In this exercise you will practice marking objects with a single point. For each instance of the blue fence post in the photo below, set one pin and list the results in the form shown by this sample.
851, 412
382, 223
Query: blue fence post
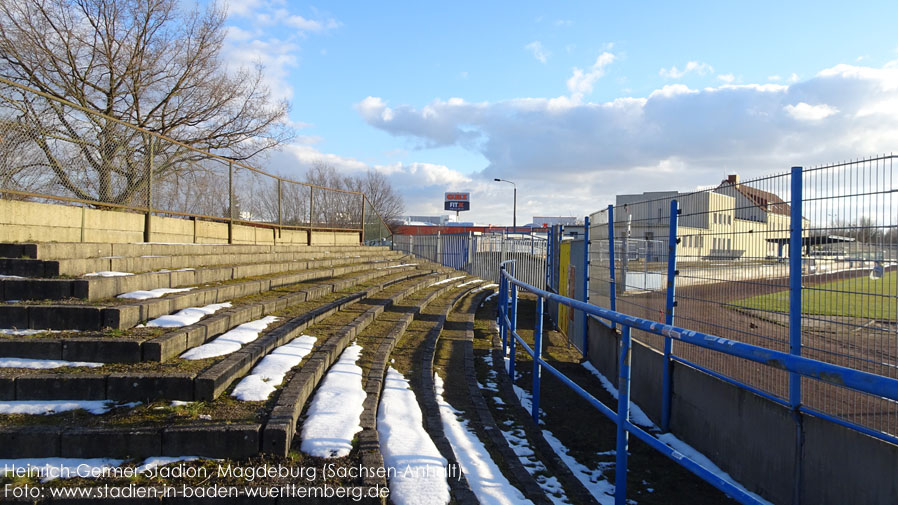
585, 285
795, 248
623, 415
795, 285
537, 354
672, 241
613, 295
511, 330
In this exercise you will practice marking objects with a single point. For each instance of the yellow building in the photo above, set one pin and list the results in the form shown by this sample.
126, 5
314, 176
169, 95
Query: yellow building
731, 221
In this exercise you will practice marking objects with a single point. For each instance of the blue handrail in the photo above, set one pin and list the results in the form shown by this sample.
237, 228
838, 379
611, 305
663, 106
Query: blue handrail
825, 372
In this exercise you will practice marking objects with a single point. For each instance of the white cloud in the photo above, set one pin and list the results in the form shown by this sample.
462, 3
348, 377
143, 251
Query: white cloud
727, 78
564, 153
538, 52
774, 78
277, 56
692, 66
806, 112
310, 25
269, 35
582, 82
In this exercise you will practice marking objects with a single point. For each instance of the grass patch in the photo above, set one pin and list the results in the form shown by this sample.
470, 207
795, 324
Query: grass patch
860, 297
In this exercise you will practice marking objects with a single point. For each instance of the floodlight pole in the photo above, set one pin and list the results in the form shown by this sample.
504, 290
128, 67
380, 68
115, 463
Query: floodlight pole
514, 215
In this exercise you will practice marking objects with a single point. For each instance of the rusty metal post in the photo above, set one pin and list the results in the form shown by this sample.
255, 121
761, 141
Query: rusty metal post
311, 210
230, 202
362, 233
147, 224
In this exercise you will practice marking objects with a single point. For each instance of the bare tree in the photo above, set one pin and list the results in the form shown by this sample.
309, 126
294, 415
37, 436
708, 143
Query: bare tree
385, 200
144, 62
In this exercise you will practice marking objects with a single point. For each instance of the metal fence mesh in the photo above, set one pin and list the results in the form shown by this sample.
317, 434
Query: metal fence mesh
850, 283
733, 275
480, 255
51, 150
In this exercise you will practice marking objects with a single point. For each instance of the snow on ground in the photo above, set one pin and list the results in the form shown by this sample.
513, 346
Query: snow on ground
153, 293
484, 477
4, 276
188, 316
333, 416
638, 417
593, 479
490, 297
22, 333
446, 281
60, 468
108, 273
231, 340
420, 471
49, 407
155, 462
398, 266
270, 372
475, 281
167, 271
43, 364
518, 442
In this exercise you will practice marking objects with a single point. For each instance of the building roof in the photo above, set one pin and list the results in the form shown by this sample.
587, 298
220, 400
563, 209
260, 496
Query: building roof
764, 200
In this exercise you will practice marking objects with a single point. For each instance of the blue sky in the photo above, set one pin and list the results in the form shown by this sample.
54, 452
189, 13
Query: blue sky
573, 101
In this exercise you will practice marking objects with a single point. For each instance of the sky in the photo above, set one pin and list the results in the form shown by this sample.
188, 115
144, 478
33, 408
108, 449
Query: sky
574, 102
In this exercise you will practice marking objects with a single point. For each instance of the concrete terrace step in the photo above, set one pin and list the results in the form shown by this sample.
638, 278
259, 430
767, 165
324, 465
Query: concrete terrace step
127, 315
105, 349
82, 250
151, 382
279, 431
99, 288
44, 268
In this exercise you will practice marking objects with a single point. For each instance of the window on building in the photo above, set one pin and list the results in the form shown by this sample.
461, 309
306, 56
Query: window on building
729, 244
715, 218
729, 220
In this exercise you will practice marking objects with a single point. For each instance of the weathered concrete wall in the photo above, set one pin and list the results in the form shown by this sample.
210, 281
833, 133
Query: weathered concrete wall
37, 222
335, 237
168, 229
41, 222
845, 466
752, 438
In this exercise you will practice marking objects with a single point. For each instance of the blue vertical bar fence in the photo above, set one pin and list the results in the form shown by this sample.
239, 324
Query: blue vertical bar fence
672, 241
623, 417
612, 296
537, 356
586, 285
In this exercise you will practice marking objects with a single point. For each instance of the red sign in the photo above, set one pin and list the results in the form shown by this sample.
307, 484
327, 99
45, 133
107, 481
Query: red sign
458, 201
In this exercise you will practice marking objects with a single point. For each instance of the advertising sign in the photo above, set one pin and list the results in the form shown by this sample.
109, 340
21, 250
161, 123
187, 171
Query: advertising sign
458, 201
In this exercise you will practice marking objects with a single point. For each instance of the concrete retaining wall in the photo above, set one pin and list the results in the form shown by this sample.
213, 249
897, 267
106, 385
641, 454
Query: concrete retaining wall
41, 222
754, 439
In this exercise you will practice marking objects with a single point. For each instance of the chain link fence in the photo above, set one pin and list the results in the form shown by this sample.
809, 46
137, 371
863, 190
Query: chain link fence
56, 151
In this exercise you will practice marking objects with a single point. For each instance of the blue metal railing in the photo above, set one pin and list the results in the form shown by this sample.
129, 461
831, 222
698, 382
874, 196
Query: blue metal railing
798, 365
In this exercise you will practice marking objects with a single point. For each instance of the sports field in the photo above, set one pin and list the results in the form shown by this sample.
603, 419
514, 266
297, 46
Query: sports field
860, 297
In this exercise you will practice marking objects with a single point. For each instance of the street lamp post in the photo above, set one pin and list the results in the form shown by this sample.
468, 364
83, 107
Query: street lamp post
514, 215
